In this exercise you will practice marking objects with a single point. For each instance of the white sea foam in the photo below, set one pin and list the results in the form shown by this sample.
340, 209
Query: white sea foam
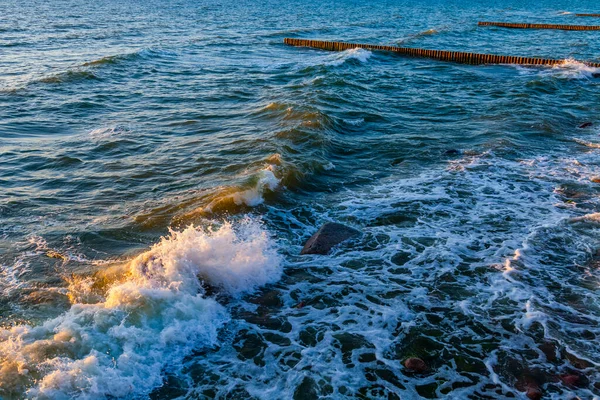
267, 181
474, 258
101, 133
358, 54
120, 346
264, 181
573, 69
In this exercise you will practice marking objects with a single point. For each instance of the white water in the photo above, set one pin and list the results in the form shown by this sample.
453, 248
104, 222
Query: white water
146, 322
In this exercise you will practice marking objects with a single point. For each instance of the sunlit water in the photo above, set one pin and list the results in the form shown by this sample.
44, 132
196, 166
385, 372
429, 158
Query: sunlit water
162, 164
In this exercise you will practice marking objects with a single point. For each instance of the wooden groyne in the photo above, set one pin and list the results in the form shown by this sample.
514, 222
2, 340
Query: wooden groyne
587, 15
452, 56
541, 26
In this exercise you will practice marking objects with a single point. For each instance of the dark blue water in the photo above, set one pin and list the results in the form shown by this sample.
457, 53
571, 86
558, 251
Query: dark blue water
162, 164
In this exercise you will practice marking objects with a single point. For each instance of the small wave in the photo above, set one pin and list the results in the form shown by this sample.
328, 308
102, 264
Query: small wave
232, 199
565, 13
568, 69
111, 59
590, 218
355, 122
588, 144
358, 54
147, 322
117, 58
572, 69
428, 32
68, 76
109, 131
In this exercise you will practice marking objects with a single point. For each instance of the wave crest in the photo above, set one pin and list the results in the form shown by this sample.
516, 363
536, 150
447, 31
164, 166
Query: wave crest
149, 319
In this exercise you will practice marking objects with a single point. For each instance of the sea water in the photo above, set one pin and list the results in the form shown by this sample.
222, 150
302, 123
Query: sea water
163, 163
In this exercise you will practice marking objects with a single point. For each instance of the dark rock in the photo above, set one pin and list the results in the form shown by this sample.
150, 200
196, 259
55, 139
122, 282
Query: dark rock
330, 235
577, 362
531, 388
306, 390
533, 392
585, 125
596, 75
549, 350
569, 380
452, 152
269, 298
574, 379
415, 364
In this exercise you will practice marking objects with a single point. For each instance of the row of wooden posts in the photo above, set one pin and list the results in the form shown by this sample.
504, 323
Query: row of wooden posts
453, 56
541, 26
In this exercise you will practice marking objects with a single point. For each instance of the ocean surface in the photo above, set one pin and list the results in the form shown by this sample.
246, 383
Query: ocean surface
162, 164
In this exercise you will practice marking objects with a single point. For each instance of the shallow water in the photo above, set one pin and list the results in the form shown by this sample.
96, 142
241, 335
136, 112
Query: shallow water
161, 166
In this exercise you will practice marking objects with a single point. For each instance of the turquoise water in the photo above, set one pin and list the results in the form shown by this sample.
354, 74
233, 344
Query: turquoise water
161, 166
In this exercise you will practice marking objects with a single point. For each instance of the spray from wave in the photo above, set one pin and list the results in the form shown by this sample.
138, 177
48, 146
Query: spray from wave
568, 69
358, 54
152, 316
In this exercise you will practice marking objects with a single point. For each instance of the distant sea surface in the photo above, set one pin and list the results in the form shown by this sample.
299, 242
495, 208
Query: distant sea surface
162, 164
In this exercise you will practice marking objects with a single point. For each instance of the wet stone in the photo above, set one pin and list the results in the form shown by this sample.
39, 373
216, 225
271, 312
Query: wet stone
248, 345
267, 322
306, 390
330, 235
390, 377
530, 386
376, 392
311, 336
269, 298
399, 219
428, 391
277, 339
367, 357
549, 350
401, 258
415, 364
349, 342
172, 387
238, 392
577, 362
574, 379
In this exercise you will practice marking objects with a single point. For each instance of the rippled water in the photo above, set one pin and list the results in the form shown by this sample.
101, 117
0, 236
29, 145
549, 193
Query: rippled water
162, 164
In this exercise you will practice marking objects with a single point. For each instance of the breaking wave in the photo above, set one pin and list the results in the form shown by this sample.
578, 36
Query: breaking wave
153, 313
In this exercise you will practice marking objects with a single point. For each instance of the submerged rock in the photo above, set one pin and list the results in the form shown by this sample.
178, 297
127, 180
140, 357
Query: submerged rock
330, 235
452, 152
574, 379
415, 364
585, 125
531, 388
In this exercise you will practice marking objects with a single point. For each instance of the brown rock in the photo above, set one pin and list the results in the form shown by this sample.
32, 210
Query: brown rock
415, 364
549, 350
534, 392
569, 379
330, 235
531, 388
